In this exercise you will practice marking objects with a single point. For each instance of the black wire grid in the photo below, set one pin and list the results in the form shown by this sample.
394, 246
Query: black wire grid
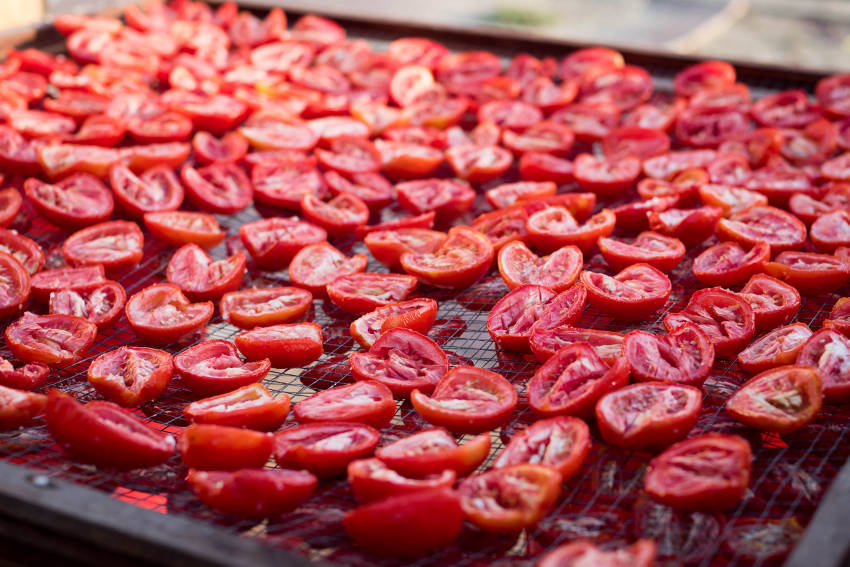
604, 500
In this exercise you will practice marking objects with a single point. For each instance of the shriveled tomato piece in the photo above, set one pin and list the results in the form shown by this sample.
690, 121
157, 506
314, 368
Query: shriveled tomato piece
467, 400
15, 285
463, 259
519, 266
632, 216
260, 307
777, 348
161, 314
372, 480
778, 228
839, 316
48, 281
782, 399
228, 149
325, 449
571, 382
608, 177
447, 198
425, 220
577, 553
287, 346
115, 245
156, 190
808, 209
252, 493
433, 451
10, 205
341, 215
251, 406
829, 352
502, 226
548, 136
183, 227
707, 472
728, 263
274, 241
54, 340
774, 302
368, 401
19, 408
511, 498
659, 251
684, 356
213, 367
220, 448
283, 184
131, 375
725, 317
648, 416
362, 292
509, 322
219, 188
562, 310
58, 160
29, 376
810, 273
787, 109
731, 199
372, 188
99, 302
415, 314
76, 201
691, 226
634, 293
831, 230
546, 342
317, 265
267, 131
555, 227
560, 442
537, 166
478, 164
200, 278
387, 246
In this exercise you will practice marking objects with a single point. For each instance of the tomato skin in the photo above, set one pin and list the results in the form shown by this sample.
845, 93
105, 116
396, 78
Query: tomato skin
141, 158
19, 408
538, 166
563, 309
691, 226
520, 266
393, 357
415, 314
261, 307
812, 274
648, 416
782, 399
287, 346
659, 251
701, 76
144, 375
478, 415
10, 204
251, 406
471, 251
786, 109
105, 434
728, 264
448, 199
229, 149
46, 282
830, 231
274, 241
639, 554
252, 493
324, 449
634, 293
478, 164
220, 448
26, 377
183, 227
137, 195
511, 319
650, 357
346, 403
546, 342
827, 350
608, 177
731, 199
533, 490
372, 480
316, 266
213, 367
838, 317
779, 347
80, 249
200, 278
75, 202
219, 188
632, 217
713, 475
67, 338
147, 308
407, 525
431, 451
751, 225
597, 380
774, 302
561, 442
710, 309
387, 246
15, 285
339, 216
364, 291
372, 188
555, 227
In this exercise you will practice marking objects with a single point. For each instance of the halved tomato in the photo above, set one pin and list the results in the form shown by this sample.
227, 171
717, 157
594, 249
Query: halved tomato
183, 227
387, 246
251, 406
537, 166
317, 265
731, 199
691, 226
372, 188
131, 375
339, 216
25, 250
509, 322
831, 230
155, 190
15, 285
777, 348
161, 314
252, 493
684, 356
546, 342
829, 352
415, 314
839, 316
324, 449
558, 271
213, 367
810, 273
559, 442
19, 408
219, 188
433, 451
555, 227
115, 245
372, 480
287, 346
48, 281
284, 183
220, 448
99, 302
10, 204
463, 259
368, 401
228, 149
608, 177
200, 278
361, 292
781, 230
729, 264
479, 164
725, 317
502, 225
273, 242
562, 310
659, 251
77, 201
774, 302
782, 399
261, 307
54, 340
634, 293
447, 198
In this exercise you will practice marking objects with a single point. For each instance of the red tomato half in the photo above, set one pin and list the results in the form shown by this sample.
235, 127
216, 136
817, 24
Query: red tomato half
650, 416
230, 148
448, 199
560, 442
777, 348
284, 183
731, 199
131, 376
546, 342
659, 251
403, 360
578, 553
839, 316
415, 314
701, 76
183, 227
200, 278
19, 408
691, 226
48, 281
371, 480
77, 201
115, 245
782, 399
363, 292
10, 205
479, 164
287, 346
156, 190
725, 317
811, 274
608, 177
708, 472
104, 434
555, 227
220, 448
54, 340
251, 406
780, 229
339, 216
433, 451
562, 310
274, 241
786, 109
829, 352
214, 367
14, 285
684, 356
634, 293
461, 261
773, 302
563, 387
317, 265
252, 493
161, 314
831, 230
261, 307
367, 401
387, 246
324, 449
502, 226
729, 264
509, 322
219, 188
467, 400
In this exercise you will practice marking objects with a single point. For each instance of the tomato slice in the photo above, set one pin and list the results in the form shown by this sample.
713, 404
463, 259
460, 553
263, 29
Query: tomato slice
287, 346
219, 448
786, 109
214, 367
731, 199
251, 406
509, 322
777, 348
810, 273
219, 188
372, 188
479, 164
116, 245
105, 434
200, 278
415, 314
183, 227
467, 400
774, 302
141, 158
156, 190
273, 242
725, 317
632, 217
829, 352
608, 177
705, 75
659, 251
161, 314
19, 408
831, 230
131, 376
666, 166
17, 154
419, 221
261, 307
387, 246
560, 442
99, 302
574, 554
548, 136
317, 265
519, 266
76, 201
407, 525
461, 261
372, 480
341, 215
691, 226
778, 228
230, 148
10, 205
648, 416
433, 451
571, 382
502, 226
728, 263
26, 377
266, 131
538, 166
634, 293
363, 292
546, 342
59, 160
555, 227
562, 310
324, 449
511, 498
15, 285
839, 316
782, 399
252, 493
49, 281
448, 199
54, 340
403, 360
684, 356
368, 401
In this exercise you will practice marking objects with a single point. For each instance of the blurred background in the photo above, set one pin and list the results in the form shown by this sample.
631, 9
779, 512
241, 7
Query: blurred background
799, 33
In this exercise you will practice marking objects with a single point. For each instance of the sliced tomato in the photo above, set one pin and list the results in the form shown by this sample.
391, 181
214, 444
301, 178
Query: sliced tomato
15, 285
219, 188
705, 75
574, 554
782, 399
563, 310
131, 375
372, 188
666, 166
48, 281
537, 166
467, 400
555, 227
341, 215
229, 148
547, 136
324, 449
831, 230
315, 266
261, 307
778, 228
214, 367
116, 245
349, 155
625, 87
777, 348
433, 451
546, 342
142, 158
220, 448
463, 259
372, 480
502, 226
810, 273
510, 498
251, 406
200, 278
54, 340
786, 109
659, 251
448, 199
161, 314
368, 401
415, 314
560, 442
17, 154
725, 317
829, 352
634, 293
214, 113
608, 177
731, 199
287, 346
419, 221
363, 292
105, 434
387, 246
252, 493
156, 190
576, 64
774, 302
59, 160
274, 241
19, 408
519, 266
10, 204
183, 227
76, 201
479, 164
691, 226
728, 263
684, 356
509, 322
839, 316
563, 387
708, 126
269, 131
99, 302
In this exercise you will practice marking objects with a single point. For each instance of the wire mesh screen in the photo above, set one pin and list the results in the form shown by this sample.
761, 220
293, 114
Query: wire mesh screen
603, 501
